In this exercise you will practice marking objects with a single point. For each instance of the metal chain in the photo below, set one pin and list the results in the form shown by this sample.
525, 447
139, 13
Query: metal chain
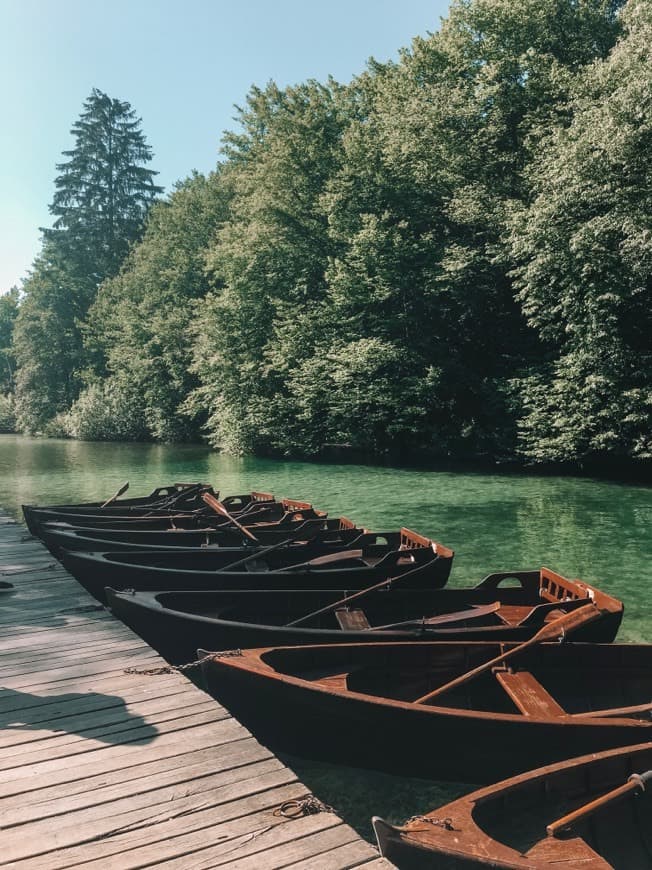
171, 669
447, 824
307, 806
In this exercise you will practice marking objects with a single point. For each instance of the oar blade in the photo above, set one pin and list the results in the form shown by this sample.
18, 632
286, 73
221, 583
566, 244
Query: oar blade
121, 491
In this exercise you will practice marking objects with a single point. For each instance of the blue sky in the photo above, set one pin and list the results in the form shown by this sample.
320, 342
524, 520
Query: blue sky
182, 64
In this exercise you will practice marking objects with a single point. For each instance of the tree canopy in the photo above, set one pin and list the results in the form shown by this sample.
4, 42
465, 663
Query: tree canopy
447, 256
102, 197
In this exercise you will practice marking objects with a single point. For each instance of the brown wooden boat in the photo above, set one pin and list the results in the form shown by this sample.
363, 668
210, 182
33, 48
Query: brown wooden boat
509, 606
62, 536
404, 556
249, 509
469, 712
592, 812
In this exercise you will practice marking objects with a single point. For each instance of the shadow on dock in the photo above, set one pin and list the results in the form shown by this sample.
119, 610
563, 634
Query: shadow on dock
89, 714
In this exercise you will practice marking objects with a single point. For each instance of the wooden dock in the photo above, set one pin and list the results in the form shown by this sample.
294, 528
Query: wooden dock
100, 768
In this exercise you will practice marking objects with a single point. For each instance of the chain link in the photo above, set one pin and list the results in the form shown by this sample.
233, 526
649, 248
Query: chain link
307, 806
171, 669
447, 824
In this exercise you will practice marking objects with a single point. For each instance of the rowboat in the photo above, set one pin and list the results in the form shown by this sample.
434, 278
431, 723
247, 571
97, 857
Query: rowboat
176, 623
179, 495
446, 710
265, 518
62, 536
418, 560
254, 511
593, 811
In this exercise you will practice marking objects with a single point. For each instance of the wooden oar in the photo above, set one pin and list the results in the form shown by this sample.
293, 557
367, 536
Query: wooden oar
478, 611
551, 631
387, 582
121, 491
219, 508
329, 558
259, 554
636, 782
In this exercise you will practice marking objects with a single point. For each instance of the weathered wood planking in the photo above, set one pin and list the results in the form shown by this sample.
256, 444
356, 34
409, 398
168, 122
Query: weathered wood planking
102, 769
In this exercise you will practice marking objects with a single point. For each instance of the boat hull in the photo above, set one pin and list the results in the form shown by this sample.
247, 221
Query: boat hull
176, 623
95, 571
504, 825
317, 719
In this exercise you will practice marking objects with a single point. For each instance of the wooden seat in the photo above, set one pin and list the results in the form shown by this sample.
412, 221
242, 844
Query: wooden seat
512, 614
352, 620
570, 852
528, 694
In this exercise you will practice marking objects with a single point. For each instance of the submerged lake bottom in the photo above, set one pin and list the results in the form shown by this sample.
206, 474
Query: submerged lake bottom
596, 530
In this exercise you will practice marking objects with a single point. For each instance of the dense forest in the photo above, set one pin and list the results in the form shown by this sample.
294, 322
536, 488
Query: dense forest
449, 256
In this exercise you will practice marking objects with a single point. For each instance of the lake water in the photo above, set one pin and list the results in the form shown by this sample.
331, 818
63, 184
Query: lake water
599, 531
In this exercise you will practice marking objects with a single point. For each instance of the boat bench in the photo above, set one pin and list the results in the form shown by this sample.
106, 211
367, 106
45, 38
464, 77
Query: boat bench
528, 694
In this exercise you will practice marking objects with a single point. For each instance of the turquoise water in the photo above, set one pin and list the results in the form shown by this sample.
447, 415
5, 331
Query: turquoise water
596, 530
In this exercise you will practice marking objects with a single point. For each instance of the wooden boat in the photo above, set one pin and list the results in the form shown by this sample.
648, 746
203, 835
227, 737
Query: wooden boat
371, 705
426, 562
591, 812
176, 495
255, 511
61, 536
176, 623
263, 518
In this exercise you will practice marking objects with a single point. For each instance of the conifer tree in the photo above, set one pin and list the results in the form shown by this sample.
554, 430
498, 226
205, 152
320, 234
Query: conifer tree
103, 194
104, 190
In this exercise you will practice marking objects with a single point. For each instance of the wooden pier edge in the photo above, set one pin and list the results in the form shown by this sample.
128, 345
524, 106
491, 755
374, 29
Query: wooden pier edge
100, 768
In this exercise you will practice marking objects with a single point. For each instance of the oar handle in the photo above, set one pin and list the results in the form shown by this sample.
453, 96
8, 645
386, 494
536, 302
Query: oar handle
552, 631
219, 508
636, 782
121, 491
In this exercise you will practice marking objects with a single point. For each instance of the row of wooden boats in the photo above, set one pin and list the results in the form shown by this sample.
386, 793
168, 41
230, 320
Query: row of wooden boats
329, 639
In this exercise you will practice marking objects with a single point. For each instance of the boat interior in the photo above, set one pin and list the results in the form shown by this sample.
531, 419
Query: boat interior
547, 679
619, 832
206, 559
393, 609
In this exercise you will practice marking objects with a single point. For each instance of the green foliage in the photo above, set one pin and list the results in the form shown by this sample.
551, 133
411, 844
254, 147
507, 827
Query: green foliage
584, 253
104, 191
140, 318
47, 343
109, 411
102, 197
8, 313
450, 255
7, 413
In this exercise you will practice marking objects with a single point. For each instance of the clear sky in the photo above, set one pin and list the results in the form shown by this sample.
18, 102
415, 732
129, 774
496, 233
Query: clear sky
182, 64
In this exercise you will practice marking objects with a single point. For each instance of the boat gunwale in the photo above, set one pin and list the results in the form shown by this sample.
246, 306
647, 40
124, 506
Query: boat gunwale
148, 600
256, 665
462, 810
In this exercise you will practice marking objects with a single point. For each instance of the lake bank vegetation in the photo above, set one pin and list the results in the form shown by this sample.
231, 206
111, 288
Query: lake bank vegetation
451, 255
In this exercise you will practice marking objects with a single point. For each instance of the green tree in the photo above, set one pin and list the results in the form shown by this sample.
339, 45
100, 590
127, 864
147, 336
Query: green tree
139, 320
583, 250
8, 312
102, 197
267, 261
104, 190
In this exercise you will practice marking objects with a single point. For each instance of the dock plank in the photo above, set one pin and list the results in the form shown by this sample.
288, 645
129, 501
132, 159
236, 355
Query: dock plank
103, 765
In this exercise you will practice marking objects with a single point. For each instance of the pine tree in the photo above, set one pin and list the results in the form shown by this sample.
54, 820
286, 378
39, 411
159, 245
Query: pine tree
104, 190
102, 198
